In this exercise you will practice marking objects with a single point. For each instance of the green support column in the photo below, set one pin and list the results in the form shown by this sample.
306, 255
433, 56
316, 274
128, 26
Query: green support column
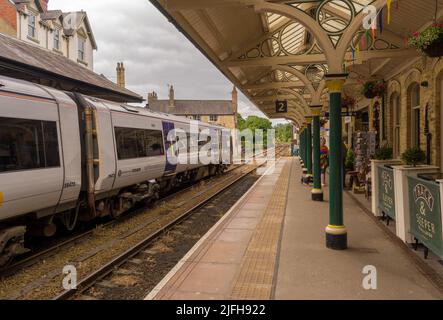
305, 169
336, 233
309, 146
317, 192
301, 145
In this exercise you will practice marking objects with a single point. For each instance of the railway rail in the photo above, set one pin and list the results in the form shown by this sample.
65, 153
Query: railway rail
193, 202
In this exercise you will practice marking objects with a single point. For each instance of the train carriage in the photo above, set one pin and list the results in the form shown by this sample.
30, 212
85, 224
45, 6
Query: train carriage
66, 157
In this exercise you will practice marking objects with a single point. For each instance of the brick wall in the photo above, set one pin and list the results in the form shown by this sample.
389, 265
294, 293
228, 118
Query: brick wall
8, 18
431, 71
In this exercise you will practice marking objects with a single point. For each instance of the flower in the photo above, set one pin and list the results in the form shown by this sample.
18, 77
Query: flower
422, 40
374, 88
347, 101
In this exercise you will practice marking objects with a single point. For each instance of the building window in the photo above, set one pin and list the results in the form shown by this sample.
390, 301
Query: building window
57, 39
397, 123
28, 144
415, 115
197, 117
81, 49
138, 143
32, 26
213, 118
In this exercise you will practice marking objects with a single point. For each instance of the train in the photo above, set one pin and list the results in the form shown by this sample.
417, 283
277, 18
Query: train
66, 157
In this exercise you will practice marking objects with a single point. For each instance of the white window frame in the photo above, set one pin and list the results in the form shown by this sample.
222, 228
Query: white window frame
213, 118
57, 39
81, 52
33, 26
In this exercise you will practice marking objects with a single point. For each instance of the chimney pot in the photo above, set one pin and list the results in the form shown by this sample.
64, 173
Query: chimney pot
121, 78
171, 96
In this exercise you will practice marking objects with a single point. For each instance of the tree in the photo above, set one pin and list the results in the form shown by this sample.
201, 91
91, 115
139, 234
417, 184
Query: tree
241, 123
283, 133
255, 123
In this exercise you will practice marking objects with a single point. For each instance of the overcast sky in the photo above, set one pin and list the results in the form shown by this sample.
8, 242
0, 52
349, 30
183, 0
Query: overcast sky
155, 54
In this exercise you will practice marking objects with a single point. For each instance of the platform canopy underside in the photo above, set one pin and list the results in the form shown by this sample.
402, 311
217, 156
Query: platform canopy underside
282, 50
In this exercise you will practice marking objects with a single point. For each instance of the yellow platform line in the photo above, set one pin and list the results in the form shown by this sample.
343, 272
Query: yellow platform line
256, 276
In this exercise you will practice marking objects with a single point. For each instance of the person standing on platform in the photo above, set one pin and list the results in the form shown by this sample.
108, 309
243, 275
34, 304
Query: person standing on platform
324, 159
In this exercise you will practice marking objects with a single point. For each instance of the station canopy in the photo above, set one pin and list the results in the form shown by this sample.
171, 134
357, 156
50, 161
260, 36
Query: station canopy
282, 50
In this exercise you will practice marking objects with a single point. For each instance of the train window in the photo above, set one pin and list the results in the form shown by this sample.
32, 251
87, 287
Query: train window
138, 143
28, 144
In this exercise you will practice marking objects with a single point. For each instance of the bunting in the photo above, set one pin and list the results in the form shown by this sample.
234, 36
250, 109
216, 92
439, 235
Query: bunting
388, 5
380, 21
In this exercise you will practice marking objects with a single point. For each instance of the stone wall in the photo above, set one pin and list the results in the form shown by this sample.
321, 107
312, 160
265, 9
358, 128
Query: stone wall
424, 70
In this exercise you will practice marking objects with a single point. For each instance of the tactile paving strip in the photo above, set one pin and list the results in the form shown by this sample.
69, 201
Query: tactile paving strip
256, 275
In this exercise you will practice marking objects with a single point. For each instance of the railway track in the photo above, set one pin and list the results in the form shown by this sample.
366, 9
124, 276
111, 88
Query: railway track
52, 250
187, 207
111, 266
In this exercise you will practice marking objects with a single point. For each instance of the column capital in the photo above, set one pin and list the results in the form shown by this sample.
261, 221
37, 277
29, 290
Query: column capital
316, 110
335, 82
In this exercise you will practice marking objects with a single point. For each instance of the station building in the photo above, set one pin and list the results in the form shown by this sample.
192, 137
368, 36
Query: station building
220, 112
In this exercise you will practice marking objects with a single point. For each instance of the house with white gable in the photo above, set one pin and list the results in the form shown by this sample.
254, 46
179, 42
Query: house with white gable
65, 33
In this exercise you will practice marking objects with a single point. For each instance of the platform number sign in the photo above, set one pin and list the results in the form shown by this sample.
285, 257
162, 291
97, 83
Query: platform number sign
281, 106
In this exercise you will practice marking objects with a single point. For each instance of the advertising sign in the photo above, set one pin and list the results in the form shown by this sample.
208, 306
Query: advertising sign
386, 194
425, 213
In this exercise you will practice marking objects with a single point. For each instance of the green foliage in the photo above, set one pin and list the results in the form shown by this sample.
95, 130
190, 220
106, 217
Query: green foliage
383, 153
350, 159
255, 123
422, 40
283, 133
241, 123
413, 156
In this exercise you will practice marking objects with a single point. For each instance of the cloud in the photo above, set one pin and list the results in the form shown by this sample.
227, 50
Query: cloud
154, 52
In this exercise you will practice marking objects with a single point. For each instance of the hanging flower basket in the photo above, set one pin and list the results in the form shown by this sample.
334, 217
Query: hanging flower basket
372, 89
429, 42
347, 102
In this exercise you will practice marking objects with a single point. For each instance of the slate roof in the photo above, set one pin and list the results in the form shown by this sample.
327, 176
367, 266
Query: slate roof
38, 63
193, 107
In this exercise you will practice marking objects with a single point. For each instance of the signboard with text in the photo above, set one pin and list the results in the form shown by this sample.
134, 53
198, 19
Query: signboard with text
425, 213
386, 195
281, 106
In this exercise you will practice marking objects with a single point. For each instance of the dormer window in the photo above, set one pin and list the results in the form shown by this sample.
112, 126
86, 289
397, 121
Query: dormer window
81, 49
32, 26
57, 39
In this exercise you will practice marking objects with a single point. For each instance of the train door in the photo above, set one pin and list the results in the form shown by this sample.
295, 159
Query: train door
170, 149
31, 167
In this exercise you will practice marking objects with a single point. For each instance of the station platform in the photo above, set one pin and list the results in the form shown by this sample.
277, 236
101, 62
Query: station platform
271, 245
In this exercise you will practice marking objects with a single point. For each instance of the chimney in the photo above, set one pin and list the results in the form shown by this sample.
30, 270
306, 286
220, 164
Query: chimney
152, 96
234, 100
44, 4
171, 96
121, 82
